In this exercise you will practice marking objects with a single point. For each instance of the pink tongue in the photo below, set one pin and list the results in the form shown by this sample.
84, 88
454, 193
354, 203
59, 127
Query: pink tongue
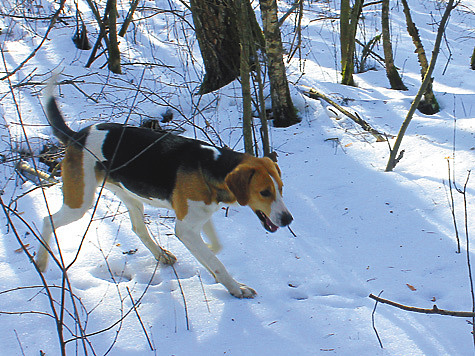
271, 226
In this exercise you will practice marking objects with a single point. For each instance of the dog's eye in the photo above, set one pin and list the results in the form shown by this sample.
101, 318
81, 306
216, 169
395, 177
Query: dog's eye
266, 193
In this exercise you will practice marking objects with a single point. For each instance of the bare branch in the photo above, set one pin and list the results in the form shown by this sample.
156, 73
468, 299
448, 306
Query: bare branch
314, 94
434, 309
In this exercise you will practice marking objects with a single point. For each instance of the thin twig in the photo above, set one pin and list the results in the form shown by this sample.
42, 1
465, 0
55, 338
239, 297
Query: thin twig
184, 299
372, 319
434, 310
291, 231
19, 342
140, 320
469, 266
452, 207
289, 12
204, 292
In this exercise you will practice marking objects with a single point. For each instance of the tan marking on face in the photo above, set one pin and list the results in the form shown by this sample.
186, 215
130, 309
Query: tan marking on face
253, 177
73, 177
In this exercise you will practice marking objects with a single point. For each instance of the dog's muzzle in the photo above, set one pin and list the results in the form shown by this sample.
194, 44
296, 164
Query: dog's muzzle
284, 219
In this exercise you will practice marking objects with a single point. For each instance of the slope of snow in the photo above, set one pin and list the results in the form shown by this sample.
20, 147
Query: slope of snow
358, 230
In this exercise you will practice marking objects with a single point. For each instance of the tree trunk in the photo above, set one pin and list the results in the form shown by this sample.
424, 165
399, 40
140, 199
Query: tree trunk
114, 52
264, 131
394, 79
245, 36
393, 156
283, 110
429, 104
216, 28
345, 10
472, 60
128, 19
348, 24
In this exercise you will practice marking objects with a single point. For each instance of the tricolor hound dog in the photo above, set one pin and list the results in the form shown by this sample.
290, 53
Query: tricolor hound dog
168, 171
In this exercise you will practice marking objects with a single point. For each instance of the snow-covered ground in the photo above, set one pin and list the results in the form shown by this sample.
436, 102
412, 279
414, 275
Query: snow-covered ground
358, 229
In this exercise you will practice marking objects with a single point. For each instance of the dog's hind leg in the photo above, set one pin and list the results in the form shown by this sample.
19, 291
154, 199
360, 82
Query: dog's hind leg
79, 186
135, 209
64, 216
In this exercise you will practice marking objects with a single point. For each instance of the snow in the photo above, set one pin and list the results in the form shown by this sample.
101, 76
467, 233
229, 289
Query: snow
358, 230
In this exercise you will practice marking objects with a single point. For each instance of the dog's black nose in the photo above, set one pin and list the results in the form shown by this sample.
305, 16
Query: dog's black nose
286, 219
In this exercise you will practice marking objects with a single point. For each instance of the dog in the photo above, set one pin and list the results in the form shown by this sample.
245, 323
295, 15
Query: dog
142, 166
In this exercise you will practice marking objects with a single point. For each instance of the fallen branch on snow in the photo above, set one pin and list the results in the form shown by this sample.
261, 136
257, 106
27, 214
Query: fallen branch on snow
313, 94
32, 174
434, 309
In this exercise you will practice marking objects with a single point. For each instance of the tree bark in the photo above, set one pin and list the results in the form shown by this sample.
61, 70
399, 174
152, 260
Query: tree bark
391, 72
348, 25
345, 10
429, 104
128, 19
114, 52
283, 110
216, 28
245, 36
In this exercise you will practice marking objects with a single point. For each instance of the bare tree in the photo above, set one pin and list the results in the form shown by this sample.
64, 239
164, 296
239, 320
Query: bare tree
349, 17
283, 110
391, 70
218, 34
245, 37
114, 52
429, 104
393, 157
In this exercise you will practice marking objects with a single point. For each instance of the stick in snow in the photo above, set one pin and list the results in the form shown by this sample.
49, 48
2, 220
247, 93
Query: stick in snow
434, 309
313, 94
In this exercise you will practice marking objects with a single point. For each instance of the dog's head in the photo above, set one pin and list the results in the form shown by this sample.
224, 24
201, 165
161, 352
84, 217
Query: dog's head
256, 182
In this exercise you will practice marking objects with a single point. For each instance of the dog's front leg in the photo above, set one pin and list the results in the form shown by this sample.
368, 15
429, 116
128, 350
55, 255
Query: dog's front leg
189, 235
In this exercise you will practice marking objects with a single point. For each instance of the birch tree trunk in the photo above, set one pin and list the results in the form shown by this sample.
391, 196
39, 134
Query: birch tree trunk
283, 110
429, 104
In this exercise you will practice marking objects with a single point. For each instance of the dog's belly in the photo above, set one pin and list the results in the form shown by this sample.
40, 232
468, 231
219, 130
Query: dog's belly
155, 202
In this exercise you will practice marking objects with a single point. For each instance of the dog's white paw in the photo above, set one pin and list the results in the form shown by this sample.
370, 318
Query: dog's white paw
244, 292
167, 258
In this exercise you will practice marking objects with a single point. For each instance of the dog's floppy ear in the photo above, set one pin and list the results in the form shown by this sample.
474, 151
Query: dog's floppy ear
238, 182
271, 162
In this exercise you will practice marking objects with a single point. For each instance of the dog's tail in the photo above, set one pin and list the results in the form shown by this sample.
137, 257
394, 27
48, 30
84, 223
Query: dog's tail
55, 118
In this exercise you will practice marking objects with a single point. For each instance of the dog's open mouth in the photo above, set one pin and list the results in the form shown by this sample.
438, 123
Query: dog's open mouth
268, 225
